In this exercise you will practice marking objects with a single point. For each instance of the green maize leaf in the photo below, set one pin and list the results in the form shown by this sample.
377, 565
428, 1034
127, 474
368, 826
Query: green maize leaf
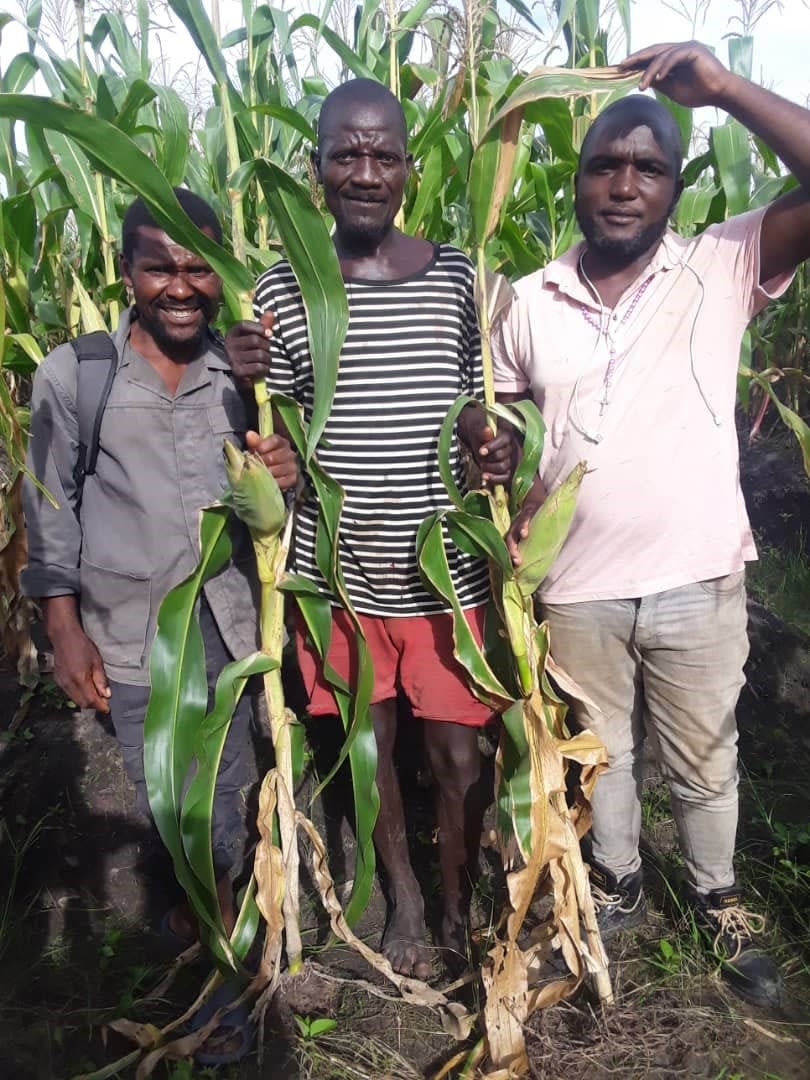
792, 420
513, 242
547, 532
525, 13
19, 73
732, 153
91, 317
360, 745
124, 161
77, 174
435, 572
447, 436
554, 117
534, 433
430, 186
336, 43
478, 536
693, 208
554, 82
514, 796
497, 649
432, 133
193, 16
105, 103
178, 703
198, 804
247, 922
29, 345
172, 148
113, 26
140, 93
291, 117
683, 118
412, 18
311, 253
491, 172
741, 55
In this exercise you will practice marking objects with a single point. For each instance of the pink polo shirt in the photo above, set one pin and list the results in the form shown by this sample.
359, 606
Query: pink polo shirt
661, 504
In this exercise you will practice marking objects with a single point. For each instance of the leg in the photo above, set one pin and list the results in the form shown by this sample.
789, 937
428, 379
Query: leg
439, 692
694, 646
462, 795
595, 643
404, 939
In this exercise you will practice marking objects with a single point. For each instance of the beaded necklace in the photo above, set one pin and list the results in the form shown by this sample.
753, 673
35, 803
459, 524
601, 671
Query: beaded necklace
602, 325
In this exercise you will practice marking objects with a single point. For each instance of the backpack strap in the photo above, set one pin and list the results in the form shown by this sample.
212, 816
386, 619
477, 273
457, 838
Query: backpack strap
97, 361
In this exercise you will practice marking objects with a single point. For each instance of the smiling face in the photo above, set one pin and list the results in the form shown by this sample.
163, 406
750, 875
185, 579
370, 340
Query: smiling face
175, 291
363, 165
626, 189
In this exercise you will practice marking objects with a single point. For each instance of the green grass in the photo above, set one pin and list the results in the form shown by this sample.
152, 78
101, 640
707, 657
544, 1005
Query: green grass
781, 582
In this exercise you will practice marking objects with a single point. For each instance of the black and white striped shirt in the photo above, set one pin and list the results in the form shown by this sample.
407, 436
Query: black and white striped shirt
412, 347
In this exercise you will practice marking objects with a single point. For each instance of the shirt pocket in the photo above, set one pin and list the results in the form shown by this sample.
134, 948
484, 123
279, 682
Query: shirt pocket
228, 420
115, 608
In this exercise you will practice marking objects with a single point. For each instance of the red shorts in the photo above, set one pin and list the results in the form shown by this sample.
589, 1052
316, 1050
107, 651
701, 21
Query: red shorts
413, 654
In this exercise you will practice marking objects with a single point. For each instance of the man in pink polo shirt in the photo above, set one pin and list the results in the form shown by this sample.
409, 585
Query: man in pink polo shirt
629, 343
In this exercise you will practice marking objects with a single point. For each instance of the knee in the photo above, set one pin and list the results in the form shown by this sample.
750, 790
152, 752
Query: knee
454, 755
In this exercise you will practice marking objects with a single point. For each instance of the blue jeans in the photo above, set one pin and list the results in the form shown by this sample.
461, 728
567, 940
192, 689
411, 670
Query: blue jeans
127, 710
669, 666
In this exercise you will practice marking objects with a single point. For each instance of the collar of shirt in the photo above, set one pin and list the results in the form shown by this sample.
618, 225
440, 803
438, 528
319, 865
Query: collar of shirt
196, 373
563, 273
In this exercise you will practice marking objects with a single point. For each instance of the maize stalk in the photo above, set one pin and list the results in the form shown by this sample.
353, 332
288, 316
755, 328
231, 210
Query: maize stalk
256, 499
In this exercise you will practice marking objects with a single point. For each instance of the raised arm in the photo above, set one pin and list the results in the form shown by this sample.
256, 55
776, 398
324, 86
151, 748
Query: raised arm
692, 76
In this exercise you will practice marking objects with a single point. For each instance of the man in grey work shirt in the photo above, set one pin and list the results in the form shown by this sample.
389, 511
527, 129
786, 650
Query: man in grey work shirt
101, 574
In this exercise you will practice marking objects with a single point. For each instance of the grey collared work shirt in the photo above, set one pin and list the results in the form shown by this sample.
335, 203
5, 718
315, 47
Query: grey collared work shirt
160, 461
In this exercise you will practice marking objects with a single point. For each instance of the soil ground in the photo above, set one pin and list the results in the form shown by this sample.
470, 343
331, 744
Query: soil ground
81, 893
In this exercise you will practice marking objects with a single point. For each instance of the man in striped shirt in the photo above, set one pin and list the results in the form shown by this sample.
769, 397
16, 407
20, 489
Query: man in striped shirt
412, 347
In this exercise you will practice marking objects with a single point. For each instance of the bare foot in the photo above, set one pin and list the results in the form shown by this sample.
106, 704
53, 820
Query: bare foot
403, 942
183, 924
454, 941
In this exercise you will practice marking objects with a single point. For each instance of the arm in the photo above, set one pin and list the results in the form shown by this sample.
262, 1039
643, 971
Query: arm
692, 76
54, 533
247, 347
77, 664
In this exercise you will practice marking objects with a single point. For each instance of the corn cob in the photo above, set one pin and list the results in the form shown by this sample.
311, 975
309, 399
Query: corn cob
547, 532
255, 496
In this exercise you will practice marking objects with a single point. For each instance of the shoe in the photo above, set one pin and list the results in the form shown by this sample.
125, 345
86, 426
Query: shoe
619, 905
732, 931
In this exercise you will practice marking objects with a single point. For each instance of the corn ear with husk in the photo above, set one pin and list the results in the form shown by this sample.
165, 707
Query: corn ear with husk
547, 532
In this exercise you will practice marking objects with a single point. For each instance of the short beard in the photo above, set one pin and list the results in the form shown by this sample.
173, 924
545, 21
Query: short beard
167, 343
625, 250
364, 238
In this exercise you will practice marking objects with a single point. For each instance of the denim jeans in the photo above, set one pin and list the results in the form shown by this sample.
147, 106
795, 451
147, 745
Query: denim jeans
127, 710
669, 666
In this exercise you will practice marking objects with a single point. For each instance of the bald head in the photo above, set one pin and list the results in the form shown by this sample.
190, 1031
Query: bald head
337, 106
629, 113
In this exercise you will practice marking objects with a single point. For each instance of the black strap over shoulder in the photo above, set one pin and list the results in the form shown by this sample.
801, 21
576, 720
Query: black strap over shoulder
97, 360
